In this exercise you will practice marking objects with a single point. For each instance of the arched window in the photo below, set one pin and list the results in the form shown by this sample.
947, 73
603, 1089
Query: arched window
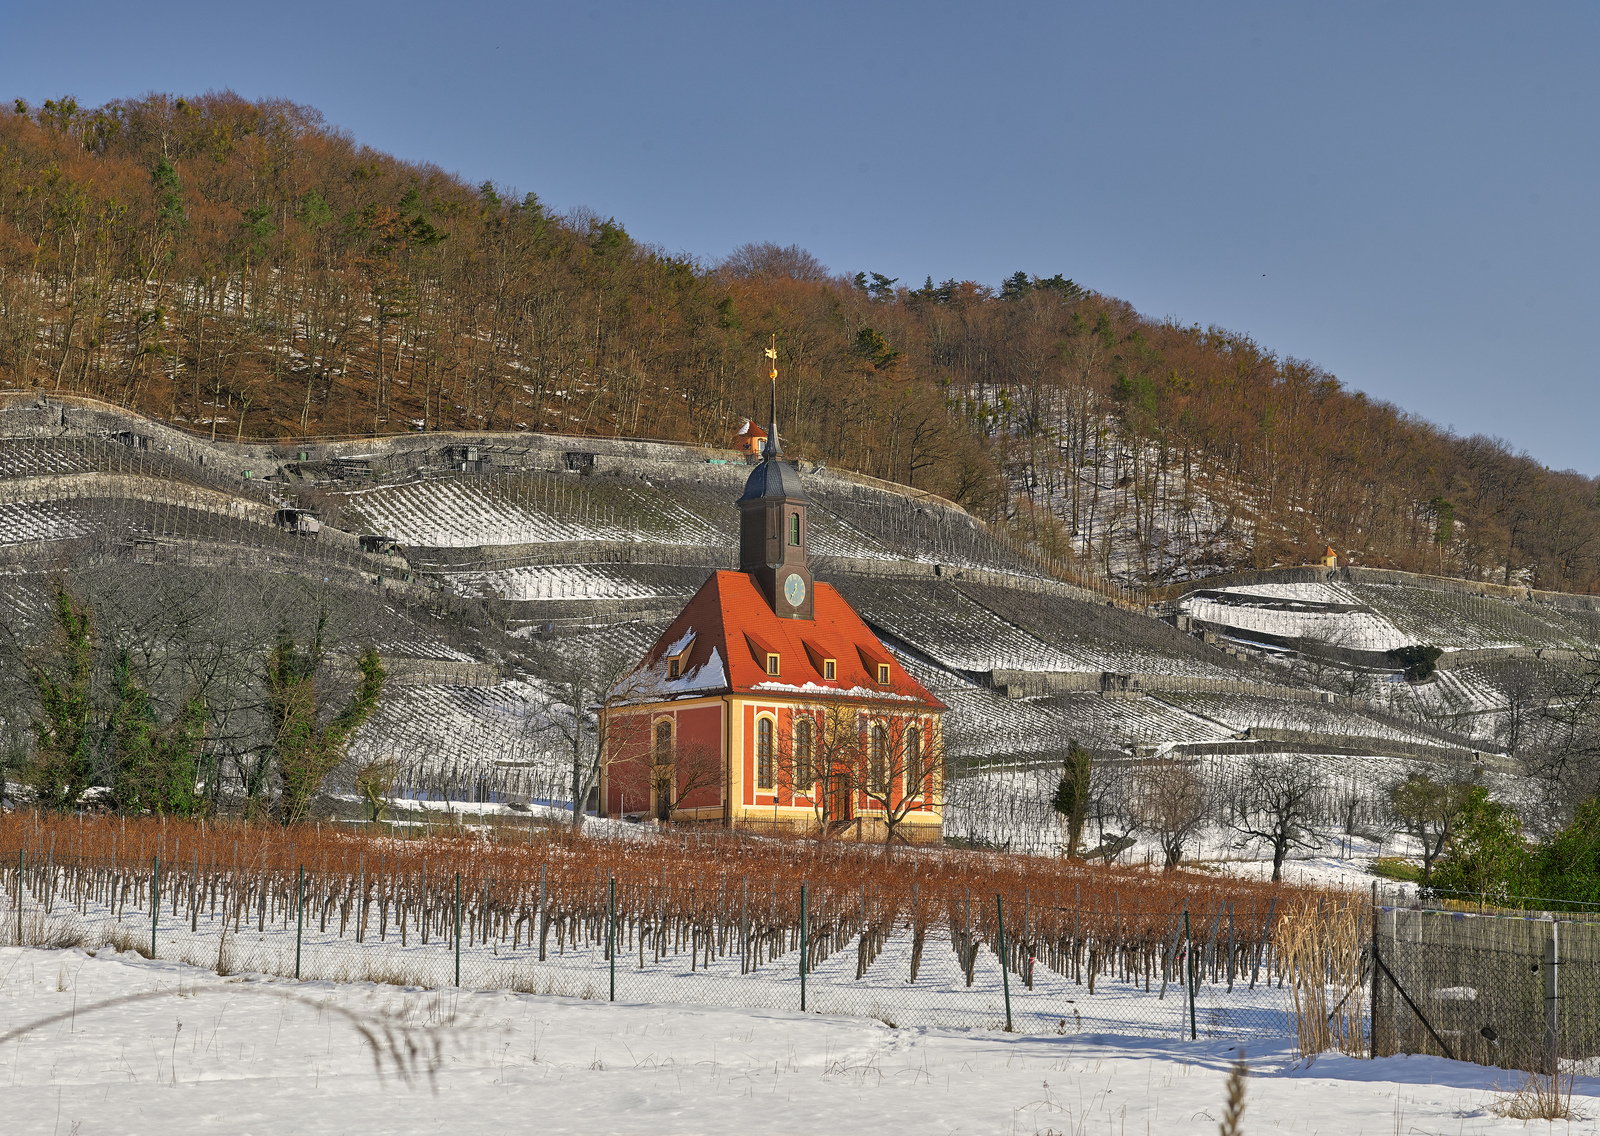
794, 529
914, 773
664, 743
764, 753
878, 770
805, 759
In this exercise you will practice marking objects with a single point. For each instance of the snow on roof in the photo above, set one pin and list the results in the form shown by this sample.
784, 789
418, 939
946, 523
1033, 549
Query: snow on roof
812, 688
680, 643
709, 675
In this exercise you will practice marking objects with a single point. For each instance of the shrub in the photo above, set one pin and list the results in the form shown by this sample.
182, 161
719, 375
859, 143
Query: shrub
1417, 660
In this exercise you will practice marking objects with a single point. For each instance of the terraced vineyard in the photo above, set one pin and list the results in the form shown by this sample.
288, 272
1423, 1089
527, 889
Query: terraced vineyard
1319, 612
988, 730
946, 625
531, 508
1107, 637
579, 582
23, 522
1240, 712
427, 726
1451, 620
496, 567
1381, 617
47, 457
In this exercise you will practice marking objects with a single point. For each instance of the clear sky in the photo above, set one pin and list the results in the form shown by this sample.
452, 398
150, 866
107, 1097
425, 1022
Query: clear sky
1405, 194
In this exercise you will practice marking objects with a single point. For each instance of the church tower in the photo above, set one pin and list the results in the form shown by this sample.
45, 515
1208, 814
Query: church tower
774, 527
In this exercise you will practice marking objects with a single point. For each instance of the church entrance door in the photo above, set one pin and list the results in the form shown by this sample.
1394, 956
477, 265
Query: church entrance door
839, 800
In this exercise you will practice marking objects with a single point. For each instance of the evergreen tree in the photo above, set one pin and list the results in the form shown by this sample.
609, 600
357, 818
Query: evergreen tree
61, 767
304, 750
1072, 794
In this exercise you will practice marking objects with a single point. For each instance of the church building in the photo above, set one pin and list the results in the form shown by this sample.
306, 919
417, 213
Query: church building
769, 704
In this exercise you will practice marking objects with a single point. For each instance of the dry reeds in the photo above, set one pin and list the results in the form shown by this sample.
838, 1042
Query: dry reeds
1321, 941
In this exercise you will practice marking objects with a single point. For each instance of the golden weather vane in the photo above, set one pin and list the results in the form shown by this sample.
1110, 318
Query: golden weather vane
772, 353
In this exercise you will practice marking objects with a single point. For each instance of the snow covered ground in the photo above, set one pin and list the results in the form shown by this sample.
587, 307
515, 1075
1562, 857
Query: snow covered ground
121, 1044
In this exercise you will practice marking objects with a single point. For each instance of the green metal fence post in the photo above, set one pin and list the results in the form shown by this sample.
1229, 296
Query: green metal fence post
611, 934
299, 921
22, 867
1005, 971
1372, 1014
1188, 950
802, 948
155, 902
458, 928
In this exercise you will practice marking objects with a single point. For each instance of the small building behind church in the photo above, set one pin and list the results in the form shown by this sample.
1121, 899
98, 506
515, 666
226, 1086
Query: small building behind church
769, 704
750, 440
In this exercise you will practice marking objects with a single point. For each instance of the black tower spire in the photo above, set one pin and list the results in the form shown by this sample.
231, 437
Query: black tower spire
774, 523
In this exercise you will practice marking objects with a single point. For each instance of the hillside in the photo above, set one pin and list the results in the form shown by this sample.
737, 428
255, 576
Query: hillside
467, 579
247, 271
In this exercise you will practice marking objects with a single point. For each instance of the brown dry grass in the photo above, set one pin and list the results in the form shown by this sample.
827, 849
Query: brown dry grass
1541, 1096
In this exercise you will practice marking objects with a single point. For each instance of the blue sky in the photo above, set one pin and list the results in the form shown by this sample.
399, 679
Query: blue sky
1405, 194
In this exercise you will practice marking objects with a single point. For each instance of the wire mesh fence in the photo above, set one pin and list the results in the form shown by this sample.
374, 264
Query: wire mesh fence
1117, 962
1515, 989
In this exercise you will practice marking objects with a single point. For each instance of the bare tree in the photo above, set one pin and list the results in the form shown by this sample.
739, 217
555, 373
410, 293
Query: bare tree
1170, 802
899, 768
583, 688
1274, 803
1527, 694
1428, 810
816, 759
375, 781
679, 770
874, 763
766, 259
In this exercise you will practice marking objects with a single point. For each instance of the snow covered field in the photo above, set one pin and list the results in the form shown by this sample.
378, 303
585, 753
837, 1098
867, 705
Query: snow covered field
181, 1050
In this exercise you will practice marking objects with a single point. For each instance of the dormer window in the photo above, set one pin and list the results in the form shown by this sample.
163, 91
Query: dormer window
830, 669
772, 665
883, 674
677, 656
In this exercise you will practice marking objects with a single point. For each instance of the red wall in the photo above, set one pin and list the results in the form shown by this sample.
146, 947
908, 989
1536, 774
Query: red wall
697, 733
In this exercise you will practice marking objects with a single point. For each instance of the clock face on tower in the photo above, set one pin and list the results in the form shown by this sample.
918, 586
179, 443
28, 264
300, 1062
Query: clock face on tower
794, 589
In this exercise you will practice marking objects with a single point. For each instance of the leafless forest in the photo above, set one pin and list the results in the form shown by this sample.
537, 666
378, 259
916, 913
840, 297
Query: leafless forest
246, 270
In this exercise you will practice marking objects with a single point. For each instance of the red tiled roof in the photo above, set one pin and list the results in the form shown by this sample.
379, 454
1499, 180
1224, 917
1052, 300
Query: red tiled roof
731, 616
